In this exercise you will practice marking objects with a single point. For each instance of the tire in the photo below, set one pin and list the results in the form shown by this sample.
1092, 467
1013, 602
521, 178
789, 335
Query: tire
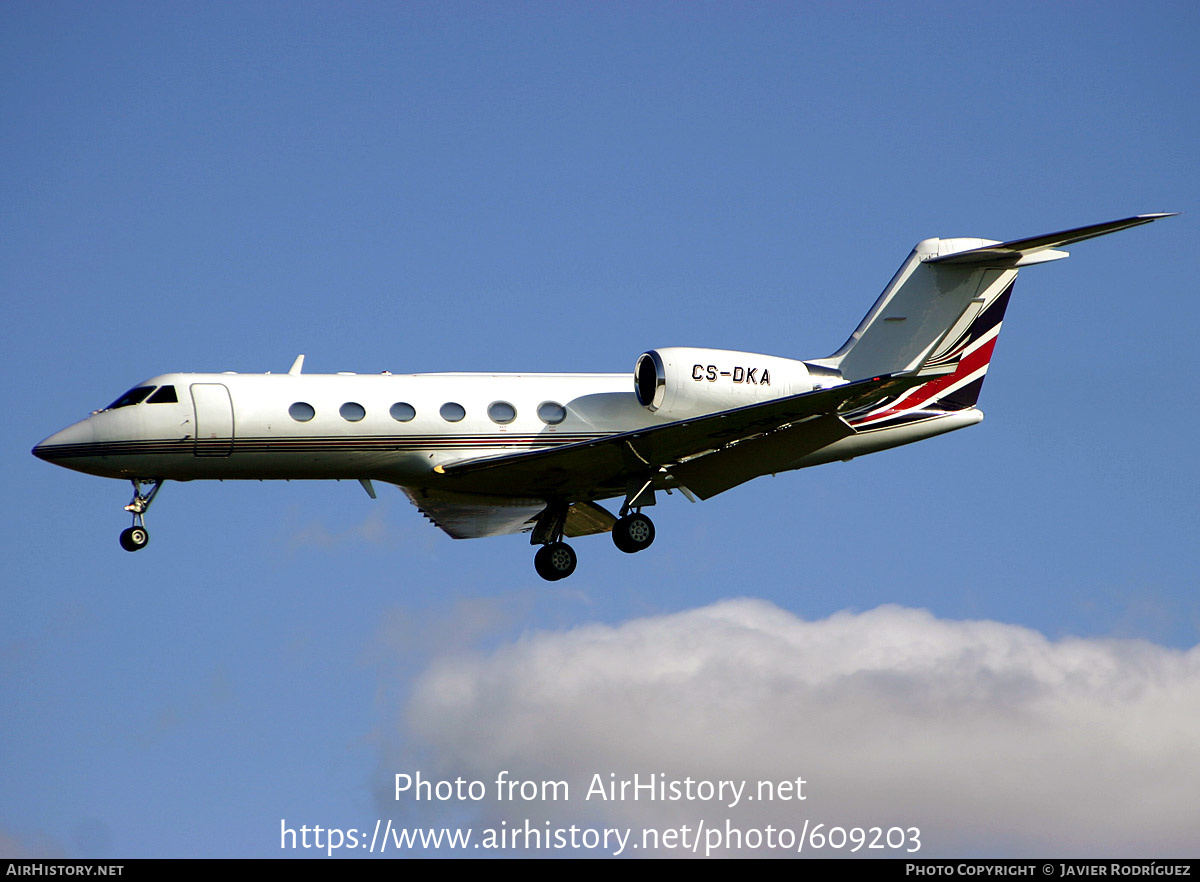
555, 561
134, 538
633, 533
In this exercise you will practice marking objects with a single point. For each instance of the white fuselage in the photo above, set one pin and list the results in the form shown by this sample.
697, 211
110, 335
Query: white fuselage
241, 426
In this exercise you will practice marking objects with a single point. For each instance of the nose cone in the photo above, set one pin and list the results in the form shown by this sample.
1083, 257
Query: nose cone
70, 444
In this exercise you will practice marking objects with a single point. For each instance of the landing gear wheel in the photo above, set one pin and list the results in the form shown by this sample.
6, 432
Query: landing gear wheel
134, 538
633, 533
555, 561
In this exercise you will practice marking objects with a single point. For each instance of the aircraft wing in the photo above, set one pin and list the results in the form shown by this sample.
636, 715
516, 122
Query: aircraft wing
713, 452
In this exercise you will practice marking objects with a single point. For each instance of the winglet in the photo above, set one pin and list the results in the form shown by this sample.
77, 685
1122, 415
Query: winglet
297, 366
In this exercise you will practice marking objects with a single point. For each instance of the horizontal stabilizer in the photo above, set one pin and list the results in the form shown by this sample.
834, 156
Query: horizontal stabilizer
1021, 252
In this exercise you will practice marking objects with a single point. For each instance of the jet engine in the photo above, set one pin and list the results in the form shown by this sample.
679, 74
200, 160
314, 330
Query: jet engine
680, 381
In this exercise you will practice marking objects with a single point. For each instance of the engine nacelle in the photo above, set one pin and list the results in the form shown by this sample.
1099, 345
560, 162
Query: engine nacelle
681, 381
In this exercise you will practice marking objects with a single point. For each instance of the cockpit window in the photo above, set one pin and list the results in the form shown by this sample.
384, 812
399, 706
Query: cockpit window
133, 396
164, 395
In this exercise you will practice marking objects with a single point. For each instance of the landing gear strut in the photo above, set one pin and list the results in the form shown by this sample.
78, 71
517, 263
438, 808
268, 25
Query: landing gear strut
555, 559
633, 531
135, 538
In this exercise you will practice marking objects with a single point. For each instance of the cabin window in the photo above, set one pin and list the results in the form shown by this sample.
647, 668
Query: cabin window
133, 396
164, 395
452, 411
551, 413
502, 412
301, 412
352, 411
402, 411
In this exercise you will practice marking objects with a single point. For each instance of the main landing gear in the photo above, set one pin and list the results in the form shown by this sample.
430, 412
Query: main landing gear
555, 560
135, 538
633, 532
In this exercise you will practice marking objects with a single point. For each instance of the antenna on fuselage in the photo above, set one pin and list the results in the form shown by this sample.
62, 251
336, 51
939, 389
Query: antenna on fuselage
297, 366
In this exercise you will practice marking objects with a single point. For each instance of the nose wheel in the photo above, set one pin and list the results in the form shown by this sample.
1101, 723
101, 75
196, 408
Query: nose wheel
135, 538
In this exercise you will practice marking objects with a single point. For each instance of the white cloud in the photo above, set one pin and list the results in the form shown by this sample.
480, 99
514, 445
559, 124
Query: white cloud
989, 737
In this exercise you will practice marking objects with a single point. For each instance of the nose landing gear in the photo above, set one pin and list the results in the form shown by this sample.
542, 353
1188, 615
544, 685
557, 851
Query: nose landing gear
135, 538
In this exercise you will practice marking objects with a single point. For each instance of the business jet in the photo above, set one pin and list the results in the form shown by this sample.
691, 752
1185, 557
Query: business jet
490, 454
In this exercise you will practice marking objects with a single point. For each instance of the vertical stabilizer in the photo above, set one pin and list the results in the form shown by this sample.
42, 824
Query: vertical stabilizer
941, 292
921, 313
941, 314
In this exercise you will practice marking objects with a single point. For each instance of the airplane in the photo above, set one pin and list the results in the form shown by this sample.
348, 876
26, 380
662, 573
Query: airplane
484, 454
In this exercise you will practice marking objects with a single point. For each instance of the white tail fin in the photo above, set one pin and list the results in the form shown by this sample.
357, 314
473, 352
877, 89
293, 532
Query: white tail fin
931, 311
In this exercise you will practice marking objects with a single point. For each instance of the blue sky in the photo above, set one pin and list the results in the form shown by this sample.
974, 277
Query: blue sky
416, 187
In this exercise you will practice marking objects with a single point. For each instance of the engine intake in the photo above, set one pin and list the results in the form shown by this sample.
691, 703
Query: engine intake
650, 379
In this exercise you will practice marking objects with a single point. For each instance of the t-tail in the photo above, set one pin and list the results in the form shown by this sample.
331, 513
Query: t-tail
940, 316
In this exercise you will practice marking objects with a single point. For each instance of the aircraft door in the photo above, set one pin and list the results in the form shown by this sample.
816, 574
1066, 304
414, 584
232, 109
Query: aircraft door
214, 419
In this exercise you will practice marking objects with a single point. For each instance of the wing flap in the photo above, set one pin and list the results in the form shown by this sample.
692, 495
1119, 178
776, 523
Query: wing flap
706, 476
